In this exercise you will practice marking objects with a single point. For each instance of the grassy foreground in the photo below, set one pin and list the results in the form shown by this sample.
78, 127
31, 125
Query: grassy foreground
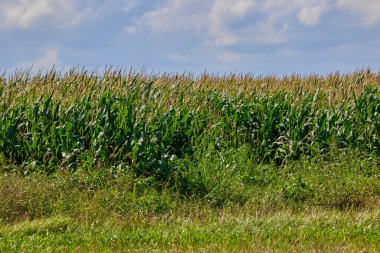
305, 206
134, 162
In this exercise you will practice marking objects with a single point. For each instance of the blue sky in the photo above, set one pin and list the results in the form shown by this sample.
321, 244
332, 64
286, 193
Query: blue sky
219, 36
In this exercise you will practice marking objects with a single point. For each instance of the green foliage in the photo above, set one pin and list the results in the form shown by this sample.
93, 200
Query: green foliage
304, 205
296, 190
216, 176
116, 121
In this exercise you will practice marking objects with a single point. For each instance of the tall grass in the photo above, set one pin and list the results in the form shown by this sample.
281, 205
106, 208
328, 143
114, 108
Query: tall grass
151, 124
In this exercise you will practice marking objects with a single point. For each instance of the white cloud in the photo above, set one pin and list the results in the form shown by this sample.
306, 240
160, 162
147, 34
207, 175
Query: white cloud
268, 33
178, 58
308, 12
223, 40
45, 61
223, 12
175, 15
229, 57
230, 22
368, 10
58, 13
310, 15
131, 29
130, 5
27, 13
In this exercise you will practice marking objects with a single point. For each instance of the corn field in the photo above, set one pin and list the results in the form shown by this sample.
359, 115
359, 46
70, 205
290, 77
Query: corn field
147, 123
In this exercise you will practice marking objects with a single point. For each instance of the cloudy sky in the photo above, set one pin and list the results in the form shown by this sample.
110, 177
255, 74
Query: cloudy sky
219, 36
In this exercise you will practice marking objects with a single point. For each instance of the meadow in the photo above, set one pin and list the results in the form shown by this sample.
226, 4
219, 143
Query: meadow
131, 161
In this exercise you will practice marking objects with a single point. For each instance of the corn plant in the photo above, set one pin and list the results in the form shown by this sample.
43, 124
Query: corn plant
83, 120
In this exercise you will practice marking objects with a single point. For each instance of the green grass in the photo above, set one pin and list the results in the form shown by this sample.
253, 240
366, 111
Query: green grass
281, 231
306, 205
128, 161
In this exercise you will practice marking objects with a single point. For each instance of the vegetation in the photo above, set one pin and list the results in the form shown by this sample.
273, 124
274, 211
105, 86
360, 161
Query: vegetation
131, 161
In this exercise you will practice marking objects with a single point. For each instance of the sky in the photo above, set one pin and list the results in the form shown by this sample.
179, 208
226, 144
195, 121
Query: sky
217, 36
